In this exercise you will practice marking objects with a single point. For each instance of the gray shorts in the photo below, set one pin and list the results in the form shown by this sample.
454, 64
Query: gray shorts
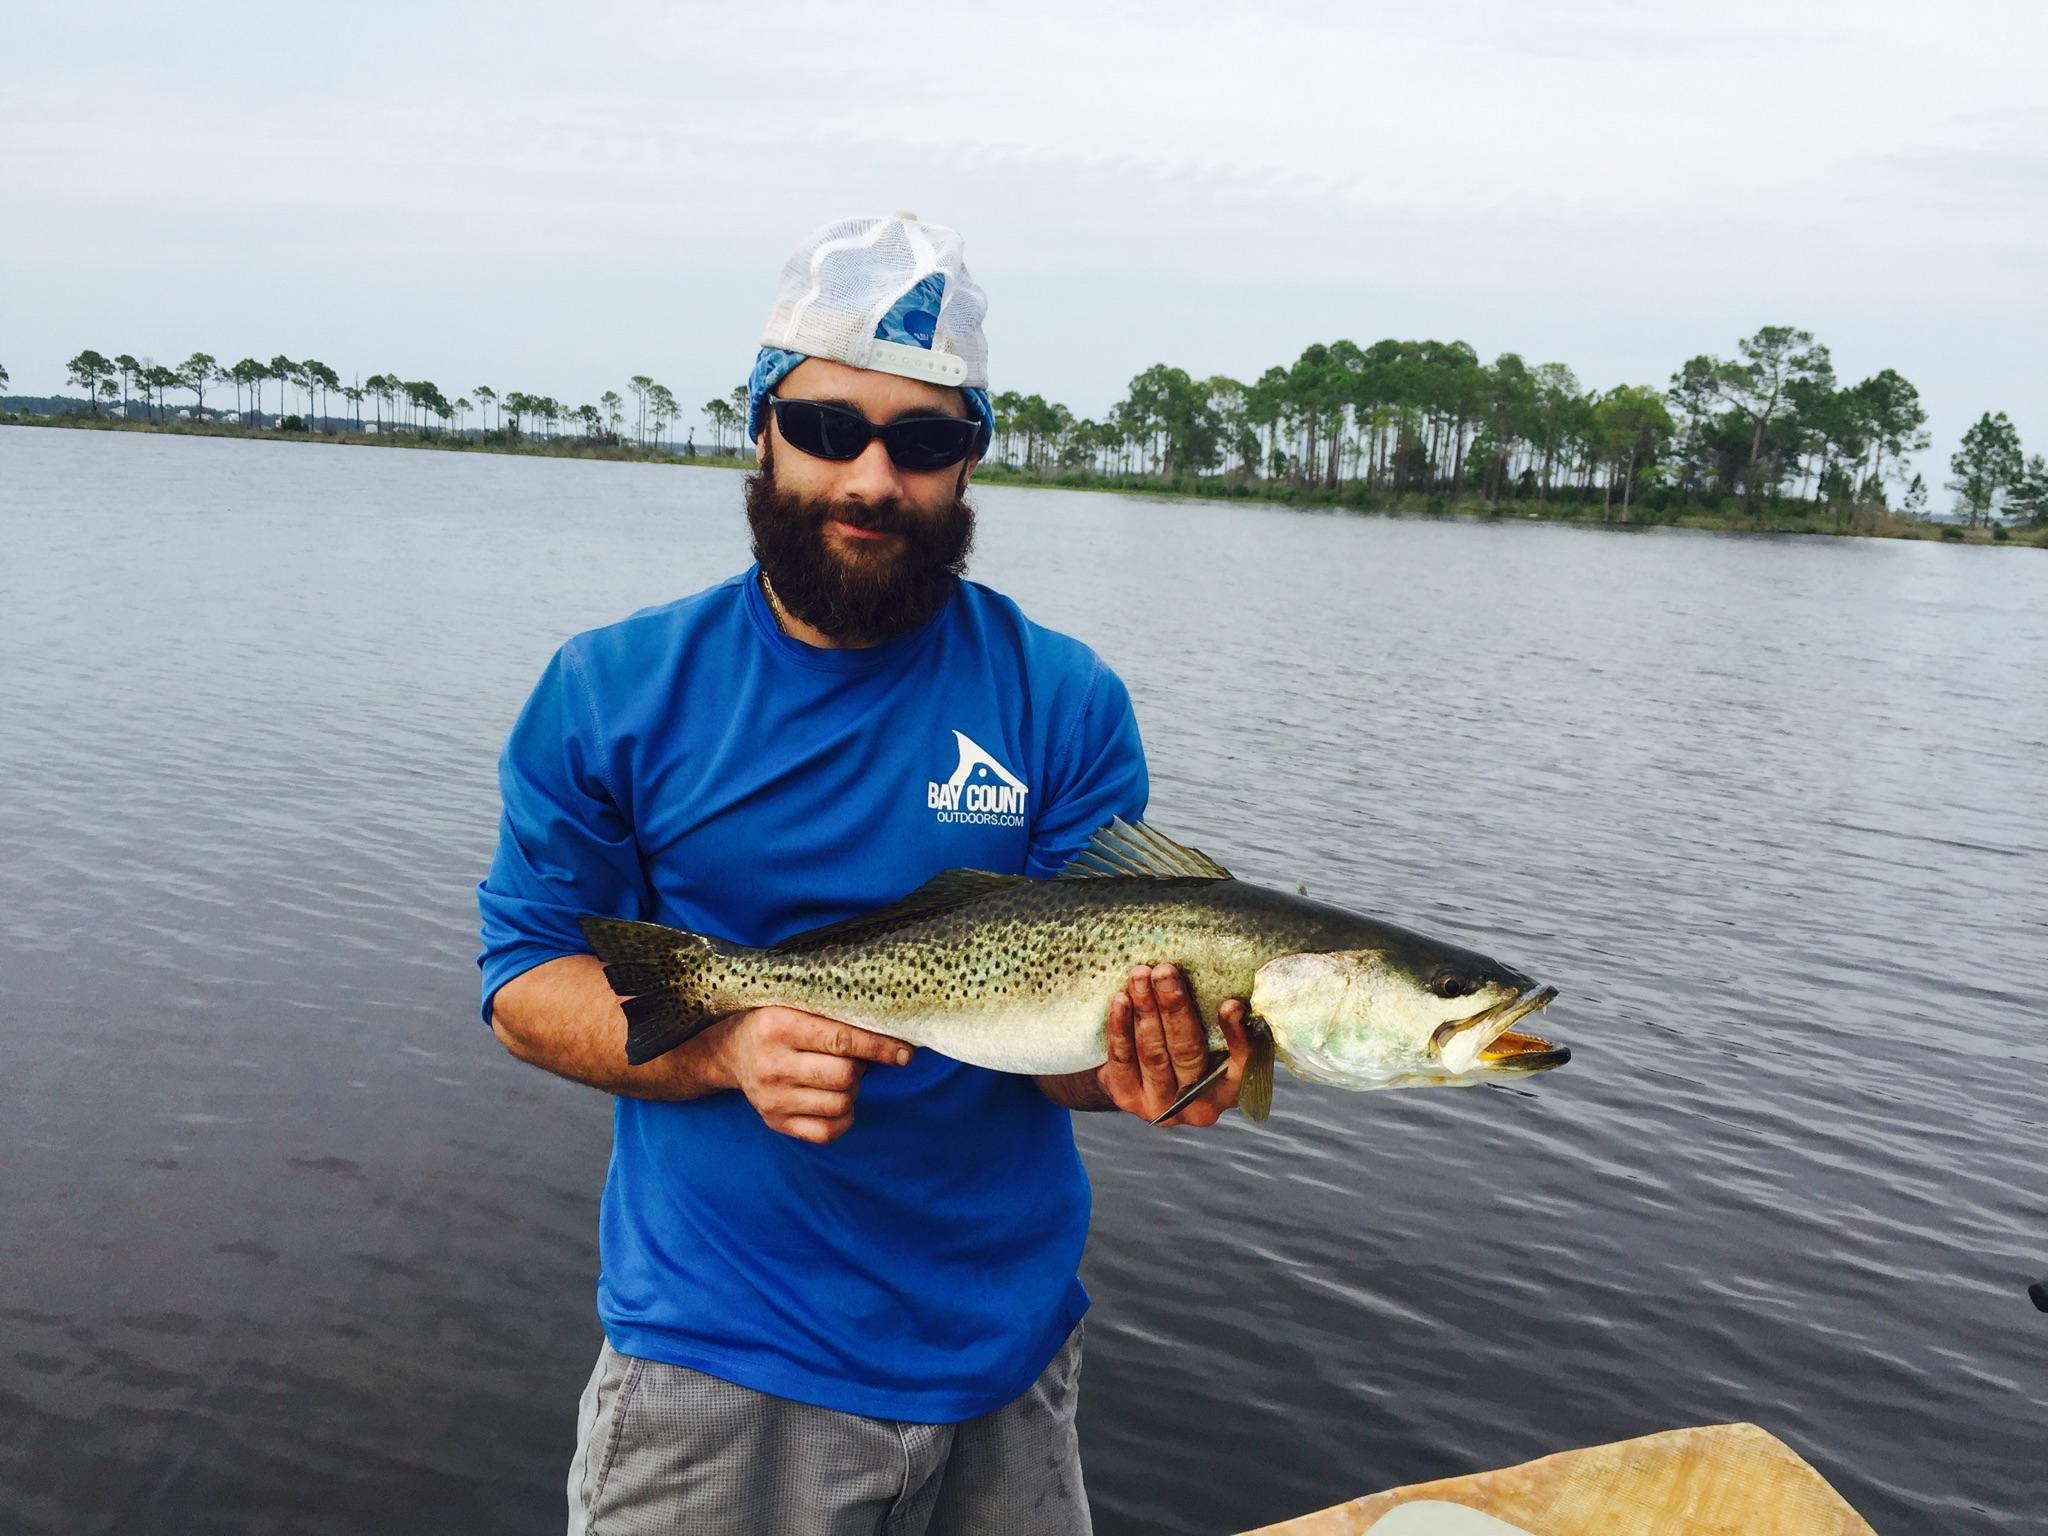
663, 1449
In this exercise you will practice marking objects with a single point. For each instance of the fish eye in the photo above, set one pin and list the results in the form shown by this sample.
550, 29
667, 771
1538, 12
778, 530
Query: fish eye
1451, 984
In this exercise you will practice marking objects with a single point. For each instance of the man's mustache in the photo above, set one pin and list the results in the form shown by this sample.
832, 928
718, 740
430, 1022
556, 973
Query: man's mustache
877, 517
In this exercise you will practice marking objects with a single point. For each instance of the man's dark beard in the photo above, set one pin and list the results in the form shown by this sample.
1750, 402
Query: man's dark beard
867, 594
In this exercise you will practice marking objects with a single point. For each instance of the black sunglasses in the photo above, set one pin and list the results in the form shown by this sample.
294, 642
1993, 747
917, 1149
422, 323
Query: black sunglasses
834, 432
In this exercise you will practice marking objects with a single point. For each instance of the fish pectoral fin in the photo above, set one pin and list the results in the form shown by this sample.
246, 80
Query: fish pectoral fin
1255, 1088
1195, 1089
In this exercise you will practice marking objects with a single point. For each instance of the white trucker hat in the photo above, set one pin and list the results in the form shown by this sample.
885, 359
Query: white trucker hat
891, 294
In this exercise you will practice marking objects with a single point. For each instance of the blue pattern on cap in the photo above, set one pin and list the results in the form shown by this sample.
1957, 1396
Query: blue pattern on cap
914, 319
772, 365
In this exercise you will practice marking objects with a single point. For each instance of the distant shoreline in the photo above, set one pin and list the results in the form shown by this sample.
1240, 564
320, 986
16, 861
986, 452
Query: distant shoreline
525, 447
1786, 517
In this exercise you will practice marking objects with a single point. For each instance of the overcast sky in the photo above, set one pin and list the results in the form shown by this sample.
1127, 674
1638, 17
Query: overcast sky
555, 198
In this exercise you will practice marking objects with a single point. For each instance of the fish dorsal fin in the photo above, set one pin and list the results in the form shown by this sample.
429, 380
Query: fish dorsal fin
947, 889
1129, 851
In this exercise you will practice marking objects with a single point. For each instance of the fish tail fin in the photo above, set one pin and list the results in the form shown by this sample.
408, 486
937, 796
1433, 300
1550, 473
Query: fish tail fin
1255, 1088
669, 980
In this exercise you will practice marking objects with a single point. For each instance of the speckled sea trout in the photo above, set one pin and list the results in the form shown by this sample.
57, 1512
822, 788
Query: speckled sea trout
1016, 974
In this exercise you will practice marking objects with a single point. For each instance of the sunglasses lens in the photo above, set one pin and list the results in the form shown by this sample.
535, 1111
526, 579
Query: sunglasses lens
824, 431
930, 442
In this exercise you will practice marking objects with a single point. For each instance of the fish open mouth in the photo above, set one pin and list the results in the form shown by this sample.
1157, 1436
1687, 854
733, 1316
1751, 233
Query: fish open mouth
1490, 1040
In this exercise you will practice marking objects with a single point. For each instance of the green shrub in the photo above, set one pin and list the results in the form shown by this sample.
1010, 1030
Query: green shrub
1952, 533
1998, 533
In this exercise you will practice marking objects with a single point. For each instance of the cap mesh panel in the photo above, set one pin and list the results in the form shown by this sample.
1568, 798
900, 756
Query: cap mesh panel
840, 283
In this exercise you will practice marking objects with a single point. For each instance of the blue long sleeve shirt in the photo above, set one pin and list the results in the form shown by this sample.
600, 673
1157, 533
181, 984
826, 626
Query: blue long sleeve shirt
695, 766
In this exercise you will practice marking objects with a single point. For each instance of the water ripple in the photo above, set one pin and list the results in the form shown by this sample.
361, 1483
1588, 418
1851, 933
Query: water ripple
295, 1244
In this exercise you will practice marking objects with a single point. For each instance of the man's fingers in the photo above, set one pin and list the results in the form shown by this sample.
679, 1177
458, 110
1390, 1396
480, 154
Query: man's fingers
1231, 1017
1208, 1106
1118, 1074
1158, 1048
1123, 1048
1237, 1040
814, 1069
802, 1072
812, 1104
1155, 1064
1138, 991
1222, 1094
1187, 1037
815, 1129
829, 1037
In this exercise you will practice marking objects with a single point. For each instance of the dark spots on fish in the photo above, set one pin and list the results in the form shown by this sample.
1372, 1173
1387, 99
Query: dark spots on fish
42, 1365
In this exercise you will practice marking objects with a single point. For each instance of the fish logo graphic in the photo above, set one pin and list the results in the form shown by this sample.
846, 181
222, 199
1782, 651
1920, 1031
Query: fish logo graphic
980, 791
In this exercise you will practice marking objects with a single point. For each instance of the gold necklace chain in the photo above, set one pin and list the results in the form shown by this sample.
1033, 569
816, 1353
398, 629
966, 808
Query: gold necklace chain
782, 619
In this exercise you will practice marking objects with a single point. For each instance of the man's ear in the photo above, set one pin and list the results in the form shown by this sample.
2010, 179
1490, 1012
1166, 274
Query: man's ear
967, 468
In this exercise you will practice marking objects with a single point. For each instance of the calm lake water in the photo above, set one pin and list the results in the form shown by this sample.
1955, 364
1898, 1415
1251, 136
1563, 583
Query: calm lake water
291, 1244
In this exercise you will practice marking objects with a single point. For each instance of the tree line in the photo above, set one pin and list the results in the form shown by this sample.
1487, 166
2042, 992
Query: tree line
1770, 421
400, 404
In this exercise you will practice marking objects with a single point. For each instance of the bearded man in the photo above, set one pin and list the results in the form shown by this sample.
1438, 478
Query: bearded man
838, 1282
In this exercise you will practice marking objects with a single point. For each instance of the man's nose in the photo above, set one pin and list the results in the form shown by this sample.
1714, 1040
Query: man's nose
872, 477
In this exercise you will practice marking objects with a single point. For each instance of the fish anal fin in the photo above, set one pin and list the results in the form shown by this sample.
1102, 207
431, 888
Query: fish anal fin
1126, 850
1255, 1088
948, 889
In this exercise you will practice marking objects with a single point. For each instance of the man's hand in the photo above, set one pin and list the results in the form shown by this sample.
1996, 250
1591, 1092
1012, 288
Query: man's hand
799, 1071
1159, 1048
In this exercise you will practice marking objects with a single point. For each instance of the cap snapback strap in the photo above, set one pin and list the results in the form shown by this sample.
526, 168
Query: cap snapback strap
916, 363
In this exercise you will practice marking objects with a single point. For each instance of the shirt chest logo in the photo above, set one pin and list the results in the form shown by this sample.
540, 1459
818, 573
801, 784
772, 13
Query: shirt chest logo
981, 791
